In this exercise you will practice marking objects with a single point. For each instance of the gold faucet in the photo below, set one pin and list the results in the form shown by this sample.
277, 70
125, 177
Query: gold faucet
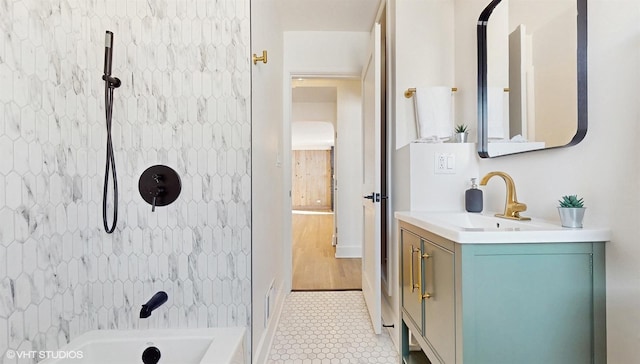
512, 208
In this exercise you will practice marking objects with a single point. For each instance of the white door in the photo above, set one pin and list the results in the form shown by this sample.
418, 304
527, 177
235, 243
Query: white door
371, 207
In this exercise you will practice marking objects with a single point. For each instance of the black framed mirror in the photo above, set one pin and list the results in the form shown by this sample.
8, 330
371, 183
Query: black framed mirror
532, 75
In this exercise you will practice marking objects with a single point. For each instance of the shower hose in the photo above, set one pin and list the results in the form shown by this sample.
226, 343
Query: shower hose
110, 167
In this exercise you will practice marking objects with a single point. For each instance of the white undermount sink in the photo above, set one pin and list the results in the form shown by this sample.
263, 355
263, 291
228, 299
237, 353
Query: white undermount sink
473, 228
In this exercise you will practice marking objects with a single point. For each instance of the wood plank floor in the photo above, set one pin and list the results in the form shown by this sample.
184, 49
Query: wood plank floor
314, 264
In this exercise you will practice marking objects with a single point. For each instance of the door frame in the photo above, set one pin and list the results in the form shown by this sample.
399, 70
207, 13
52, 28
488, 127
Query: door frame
287, 162
288, 75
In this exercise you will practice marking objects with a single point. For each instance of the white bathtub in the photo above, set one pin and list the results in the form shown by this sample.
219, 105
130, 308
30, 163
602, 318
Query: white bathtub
179, 346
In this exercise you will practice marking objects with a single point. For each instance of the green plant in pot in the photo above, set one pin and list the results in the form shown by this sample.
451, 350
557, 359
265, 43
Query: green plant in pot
571, 210
461, 133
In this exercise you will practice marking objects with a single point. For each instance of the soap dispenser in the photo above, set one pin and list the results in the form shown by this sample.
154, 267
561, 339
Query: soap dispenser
473, 198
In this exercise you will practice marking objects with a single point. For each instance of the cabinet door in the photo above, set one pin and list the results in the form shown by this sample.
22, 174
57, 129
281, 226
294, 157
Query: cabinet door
529, 304
439, 300
411, 301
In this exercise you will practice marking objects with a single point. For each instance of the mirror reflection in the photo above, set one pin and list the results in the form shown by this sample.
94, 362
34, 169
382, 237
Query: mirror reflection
533, 78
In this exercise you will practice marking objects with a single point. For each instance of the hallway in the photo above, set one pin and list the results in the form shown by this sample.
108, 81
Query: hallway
315, 266
328, 327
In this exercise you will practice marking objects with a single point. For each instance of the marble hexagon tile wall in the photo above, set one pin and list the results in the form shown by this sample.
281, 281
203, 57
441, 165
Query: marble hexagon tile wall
184, 102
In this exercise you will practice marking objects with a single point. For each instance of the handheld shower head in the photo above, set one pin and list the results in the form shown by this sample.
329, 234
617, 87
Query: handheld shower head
112, 82
108, 52
108, 39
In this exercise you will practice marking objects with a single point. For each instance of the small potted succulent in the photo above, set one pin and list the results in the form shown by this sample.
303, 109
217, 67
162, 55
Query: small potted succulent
461, 133
571, 210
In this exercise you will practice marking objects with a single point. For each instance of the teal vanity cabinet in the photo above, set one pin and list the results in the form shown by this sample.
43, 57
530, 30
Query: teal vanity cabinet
428, 298
502, 303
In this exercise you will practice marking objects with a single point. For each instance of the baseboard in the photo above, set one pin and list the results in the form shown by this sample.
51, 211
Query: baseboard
264, 345
390, 317
328, 290
346, 251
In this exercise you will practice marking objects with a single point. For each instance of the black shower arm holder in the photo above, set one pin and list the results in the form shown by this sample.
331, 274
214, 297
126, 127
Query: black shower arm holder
112, 82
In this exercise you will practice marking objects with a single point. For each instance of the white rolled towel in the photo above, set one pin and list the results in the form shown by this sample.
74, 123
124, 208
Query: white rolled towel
495, 113
433, 113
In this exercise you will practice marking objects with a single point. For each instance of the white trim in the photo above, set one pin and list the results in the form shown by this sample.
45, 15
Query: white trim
343, 251
263, 349
287, 168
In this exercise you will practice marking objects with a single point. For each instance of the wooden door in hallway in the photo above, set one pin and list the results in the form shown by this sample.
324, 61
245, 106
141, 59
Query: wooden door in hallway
315, 266
311, 184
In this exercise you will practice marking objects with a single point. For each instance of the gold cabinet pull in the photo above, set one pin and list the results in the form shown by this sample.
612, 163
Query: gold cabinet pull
426, 295
420, 278
414, 286
262, 58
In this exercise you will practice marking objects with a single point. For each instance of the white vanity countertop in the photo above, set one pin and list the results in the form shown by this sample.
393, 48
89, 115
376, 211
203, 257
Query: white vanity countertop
485, 228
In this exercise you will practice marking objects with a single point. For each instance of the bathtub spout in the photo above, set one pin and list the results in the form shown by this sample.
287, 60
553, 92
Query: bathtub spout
156, 301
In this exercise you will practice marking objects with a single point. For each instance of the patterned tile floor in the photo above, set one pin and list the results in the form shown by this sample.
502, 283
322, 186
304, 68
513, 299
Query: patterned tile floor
328, 327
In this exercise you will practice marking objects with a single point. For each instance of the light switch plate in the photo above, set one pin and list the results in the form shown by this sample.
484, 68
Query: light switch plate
444, 163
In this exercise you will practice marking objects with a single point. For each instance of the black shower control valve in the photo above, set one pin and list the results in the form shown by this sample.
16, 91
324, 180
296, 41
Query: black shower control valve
159, 185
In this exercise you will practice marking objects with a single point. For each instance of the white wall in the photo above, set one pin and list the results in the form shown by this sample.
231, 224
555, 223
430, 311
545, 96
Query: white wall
269, 197
314, 111
314, 115
312, 135
325, 53
425, 185
349, 170
424, 56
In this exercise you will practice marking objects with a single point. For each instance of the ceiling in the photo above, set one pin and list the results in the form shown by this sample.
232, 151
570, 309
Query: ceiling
328, 15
